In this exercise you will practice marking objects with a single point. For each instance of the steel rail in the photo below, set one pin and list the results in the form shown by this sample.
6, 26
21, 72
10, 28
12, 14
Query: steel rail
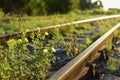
4, 38
83, 21
73, 69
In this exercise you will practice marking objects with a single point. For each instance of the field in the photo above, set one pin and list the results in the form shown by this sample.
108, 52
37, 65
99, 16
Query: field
14, 23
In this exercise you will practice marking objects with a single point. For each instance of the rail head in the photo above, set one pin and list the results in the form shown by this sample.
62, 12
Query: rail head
82, 21
67, 70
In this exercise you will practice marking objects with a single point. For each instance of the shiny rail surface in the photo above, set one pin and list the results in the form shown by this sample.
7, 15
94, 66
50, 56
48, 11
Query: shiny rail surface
74, 70
4, 38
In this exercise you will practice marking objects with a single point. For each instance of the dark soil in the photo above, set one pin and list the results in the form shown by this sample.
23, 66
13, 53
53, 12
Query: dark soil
101, 70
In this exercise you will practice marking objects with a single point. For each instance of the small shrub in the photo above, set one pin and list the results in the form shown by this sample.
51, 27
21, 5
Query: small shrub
88, 41
112, 66
1, 13
17, 61
72, 47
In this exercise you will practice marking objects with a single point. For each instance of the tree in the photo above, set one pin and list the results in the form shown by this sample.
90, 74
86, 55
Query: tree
75, 4
12, 5
97, 4
37, 7
85, 4
58, 6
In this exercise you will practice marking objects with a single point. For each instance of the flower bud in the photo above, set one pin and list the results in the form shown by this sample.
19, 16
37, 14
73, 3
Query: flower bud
45, 51
19, 40
46, 33
53, 49
25, 40
38, 28
27, 30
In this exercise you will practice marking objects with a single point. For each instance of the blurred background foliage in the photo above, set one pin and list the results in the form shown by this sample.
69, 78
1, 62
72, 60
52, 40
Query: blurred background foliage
46, 7
30, 14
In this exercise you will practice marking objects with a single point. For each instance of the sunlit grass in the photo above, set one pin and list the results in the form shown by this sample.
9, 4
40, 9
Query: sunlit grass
10, 24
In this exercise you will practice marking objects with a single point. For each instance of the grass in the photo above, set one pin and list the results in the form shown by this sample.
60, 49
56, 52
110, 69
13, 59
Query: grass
10, 24
112, 66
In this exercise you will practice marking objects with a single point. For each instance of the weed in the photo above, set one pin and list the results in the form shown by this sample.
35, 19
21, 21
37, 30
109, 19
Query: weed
88, 41
17, 62
112, 66
72, 47
109, 44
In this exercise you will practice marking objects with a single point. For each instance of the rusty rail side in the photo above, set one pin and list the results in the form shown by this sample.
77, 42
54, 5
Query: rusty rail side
4, 38
75, 67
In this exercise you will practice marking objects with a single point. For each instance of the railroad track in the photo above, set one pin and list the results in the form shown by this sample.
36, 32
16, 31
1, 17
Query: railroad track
81, 64
76, 68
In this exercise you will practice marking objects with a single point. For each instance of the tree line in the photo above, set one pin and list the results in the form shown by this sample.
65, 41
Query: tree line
44, 7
